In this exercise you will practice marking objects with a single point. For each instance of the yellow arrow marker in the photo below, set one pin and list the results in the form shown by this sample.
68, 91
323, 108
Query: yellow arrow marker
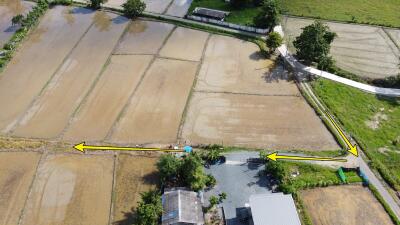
82, 147
352, 149
274, 156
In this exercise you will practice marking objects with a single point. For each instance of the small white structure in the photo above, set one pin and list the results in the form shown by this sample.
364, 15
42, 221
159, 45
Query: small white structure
273, 209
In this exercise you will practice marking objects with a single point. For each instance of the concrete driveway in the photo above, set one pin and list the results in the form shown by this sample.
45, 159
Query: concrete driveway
239, 180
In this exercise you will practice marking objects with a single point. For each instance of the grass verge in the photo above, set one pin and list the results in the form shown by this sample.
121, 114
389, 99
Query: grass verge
375, 12
384, 204
373, 121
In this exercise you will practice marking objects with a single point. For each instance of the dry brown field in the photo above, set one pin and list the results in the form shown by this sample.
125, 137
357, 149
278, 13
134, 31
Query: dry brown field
233, 65
17, 170
273, 122
350, 205
366, 51
135, 174
71, 189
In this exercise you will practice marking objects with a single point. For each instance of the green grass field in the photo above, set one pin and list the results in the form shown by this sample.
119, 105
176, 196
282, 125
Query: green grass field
243, 16
359, 113
378, 12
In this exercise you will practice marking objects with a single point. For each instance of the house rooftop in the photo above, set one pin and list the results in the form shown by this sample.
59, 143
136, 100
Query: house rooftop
210, 13
181, 206
273, 209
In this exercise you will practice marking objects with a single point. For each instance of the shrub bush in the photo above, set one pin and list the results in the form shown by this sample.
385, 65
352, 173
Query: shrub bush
133, 8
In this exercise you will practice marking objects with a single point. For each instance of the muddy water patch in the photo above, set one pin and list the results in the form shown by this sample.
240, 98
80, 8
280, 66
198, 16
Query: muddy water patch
144, 37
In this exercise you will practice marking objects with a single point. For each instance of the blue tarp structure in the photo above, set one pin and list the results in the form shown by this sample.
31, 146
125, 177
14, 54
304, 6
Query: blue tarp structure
188, 149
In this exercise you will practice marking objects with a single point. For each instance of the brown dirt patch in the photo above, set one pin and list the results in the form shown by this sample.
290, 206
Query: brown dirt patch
71, 189
95, 119
350, 205
144, 37
17, 170
51, 112
186, 44
255, 121
135, 174
232, 65
154, 114
37, 60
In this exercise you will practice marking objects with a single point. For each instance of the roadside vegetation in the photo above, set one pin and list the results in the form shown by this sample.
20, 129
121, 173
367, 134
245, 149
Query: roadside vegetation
374, 12
133, 8
372, 120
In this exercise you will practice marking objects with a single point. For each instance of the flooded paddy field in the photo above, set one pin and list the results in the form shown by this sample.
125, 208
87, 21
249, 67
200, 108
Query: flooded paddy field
136, 173
17, 170
70, 189
38, 58
366, 51
9, 9
185, 44
144, 37
129, 82
106, 101
349, 204
155, 111
48, 116
274, 122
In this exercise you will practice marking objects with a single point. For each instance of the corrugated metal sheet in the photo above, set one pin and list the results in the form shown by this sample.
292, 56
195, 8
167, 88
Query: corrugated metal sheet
274, 209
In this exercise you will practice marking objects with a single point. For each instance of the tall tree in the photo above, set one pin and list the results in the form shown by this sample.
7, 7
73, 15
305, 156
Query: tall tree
95, 4
314, 43
168, 167
269, 15
149, 209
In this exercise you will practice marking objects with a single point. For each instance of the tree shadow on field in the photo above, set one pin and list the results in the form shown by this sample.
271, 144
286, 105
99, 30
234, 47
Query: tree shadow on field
151, 178
129, 218
277, 74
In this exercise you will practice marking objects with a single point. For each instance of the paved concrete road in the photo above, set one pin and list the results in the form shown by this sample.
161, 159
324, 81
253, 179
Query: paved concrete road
239, 180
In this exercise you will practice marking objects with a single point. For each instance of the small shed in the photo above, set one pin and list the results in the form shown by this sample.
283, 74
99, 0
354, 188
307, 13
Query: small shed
210, 13
182, 207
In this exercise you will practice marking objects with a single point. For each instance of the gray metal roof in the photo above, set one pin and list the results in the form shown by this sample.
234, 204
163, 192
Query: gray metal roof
274, 209
217, 14
181, 206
